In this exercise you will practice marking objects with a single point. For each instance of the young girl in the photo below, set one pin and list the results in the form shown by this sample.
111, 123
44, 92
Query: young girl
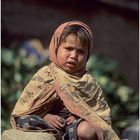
63, 98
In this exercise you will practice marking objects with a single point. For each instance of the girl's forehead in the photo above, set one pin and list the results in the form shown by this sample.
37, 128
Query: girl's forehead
77, 41
73, 39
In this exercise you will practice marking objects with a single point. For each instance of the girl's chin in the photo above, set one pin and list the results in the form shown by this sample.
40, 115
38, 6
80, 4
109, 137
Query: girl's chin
69, 70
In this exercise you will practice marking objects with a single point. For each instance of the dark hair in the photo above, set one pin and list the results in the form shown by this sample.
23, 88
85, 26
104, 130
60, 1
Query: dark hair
78, 31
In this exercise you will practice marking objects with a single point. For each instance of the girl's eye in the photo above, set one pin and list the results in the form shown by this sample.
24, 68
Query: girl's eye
69, 48
81, 51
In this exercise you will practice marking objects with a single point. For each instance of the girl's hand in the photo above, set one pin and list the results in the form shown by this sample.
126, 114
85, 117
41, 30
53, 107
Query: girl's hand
54, 120
70, 120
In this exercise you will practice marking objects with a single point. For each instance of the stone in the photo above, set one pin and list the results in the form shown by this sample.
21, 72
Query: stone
132, 132
14, 134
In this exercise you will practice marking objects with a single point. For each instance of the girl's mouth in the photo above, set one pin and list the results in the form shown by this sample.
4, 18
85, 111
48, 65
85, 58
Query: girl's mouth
71, 64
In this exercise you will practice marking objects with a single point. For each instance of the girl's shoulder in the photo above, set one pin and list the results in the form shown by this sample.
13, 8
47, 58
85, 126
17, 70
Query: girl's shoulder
44, 69
44, 73
90, 77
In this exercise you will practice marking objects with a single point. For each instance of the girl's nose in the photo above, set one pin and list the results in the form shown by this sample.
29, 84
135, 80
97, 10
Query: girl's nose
73, 54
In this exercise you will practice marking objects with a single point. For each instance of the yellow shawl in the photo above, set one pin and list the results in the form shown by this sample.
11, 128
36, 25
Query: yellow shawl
82, 95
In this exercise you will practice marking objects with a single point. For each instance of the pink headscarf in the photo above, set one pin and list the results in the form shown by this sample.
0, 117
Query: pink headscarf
57, 35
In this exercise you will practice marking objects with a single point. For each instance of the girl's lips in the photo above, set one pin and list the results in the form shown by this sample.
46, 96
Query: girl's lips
70, 64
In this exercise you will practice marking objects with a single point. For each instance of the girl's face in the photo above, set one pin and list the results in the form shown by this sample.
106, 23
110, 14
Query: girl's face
71, 54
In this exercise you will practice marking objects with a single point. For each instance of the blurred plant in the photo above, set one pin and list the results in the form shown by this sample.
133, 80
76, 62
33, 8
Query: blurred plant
122, 99
17, 70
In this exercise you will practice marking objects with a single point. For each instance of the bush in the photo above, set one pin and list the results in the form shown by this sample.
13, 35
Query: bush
17, 70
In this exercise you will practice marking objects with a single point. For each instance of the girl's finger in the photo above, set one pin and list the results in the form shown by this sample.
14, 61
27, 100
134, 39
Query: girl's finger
55, 125
59, 124
69, 122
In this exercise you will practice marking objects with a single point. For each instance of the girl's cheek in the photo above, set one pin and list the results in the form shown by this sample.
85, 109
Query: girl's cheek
63, 53
83, 57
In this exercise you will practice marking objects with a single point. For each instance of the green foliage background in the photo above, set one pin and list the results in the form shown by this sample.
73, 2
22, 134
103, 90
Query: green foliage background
18, 68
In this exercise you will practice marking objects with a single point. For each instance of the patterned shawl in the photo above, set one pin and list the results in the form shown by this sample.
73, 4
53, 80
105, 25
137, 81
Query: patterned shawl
82, 95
